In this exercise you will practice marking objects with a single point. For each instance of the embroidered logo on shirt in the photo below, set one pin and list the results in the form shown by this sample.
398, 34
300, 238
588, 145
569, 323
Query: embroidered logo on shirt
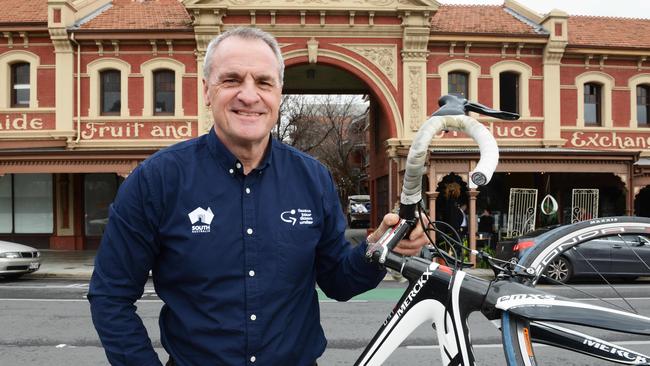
301, 216
201, 220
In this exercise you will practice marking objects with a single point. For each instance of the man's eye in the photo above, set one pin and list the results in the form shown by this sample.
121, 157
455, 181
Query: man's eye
230, 81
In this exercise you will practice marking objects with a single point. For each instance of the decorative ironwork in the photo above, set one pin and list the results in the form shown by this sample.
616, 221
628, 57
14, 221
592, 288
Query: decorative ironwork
522, 211
584, 204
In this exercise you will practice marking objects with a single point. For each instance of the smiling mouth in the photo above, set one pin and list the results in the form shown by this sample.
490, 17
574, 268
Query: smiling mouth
248, 114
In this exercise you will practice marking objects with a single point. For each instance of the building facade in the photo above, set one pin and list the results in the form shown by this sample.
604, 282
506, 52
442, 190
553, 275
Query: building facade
89, 88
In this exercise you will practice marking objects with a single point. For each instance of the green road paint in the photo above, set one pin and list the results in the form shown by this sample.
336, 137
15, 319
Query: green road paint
378, 294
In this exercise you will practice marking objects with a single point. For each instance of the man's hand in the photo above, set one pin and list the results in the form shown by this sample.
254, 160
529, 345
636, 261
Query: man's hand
407, 246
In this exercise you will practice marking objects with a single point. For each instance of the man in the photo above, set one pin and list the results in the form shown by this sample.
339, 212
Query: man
486, 227
237, 229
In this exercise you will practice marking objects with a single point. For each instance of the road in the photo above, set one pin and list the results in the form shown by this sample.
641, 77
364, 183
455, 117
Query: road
47, 322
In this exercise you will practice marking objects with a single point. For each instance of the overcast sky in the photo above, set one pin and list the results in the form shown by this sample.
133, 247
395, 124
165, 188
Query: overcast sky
615, 8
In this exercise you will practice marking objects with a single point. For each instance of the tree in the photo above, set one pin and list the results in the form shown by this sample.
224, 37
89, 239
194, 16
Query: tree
333, 129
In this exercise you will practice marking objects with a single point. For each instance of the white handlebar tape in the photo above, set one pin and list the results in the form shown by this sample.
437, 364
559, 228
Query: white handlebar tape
481, 175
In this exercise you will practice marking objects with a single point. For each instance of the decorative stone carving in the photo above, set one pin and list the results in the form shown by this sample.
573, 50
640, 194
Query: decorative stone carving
312, 50
415, 91
382, 56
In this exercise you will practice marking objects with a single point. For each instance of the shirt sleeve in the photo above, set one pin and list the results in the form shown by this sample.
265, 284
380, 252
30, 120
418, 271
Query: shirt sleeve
122, 265
342, 270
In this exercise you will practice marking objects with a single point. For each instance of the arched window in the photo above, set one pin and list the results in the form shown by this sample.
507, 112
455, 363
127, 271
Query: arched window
643, 105
20, 85
110, 92
509, 92
163, 92
458, 84
593, 104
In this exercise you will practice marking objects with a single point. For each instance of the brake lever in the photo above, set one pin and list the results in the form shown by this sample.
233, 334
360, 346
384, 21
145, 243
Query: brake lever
481, 109
451, 105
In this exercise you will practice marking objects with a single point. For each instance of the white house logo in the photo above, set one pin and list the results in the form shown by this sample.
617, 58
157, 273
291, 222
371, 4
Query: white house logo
201, 220
300, 216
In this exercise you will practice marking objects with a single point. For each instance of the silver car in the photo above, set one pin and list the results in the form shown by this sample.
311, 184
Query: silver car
17, 260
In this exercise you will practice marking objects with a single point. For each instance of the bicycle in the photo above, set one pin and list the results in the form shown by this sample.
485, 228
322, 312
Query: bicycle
445, 296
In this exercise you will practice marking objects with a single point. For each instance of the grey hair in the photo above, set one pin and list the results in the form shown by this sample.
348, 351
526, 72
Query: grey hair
248, 33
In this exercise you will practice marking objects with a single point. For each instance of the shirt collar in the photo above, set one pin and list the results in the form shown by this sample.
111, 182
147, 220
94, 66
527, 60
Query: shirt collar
229, 161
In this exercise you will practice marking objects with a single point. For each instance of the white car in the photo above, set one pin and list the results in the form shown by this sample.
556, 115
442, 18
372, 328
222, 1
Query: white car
17, 260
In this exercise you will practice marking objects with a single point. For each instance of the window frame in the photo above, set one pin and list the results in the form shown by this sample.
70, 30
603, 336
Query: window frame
93, 69
525, 72
14, 103
473, 69
102, 91
516, 77
598, 101
156, 89
147, 69
13, 57
646, 89
456, 74
607, 85
15, 209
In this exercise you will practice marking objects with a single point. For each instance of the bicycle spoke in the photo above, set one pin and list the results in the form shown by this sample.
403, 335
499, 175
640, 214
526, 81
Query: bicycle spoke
606, 281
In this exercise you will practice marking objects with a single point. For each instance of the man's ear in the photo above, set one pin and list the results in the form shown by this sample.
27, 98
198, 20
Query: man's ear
206, 93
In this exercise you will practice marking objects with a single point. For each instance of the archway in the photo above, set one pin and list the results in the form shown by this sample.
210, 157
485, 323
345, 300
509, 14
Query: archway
642, 202
330, 76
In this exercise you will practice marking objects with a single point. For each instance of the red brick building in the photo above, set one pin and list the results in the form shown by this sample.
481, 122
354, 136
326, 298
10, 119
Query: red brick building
91, 88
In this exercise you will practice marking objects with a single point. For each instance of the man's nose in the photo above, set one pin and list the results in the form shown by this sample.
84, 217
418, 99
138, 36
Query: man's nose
248, 92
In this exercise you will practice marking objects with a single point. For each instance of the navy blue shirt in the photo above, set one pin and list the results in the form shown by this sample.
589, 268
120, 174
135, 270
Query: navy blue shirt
235, 258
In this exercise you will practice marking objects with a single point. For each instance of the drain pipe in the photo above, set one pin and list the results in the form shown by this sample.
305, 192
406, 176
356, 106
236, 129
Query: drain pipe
78, 87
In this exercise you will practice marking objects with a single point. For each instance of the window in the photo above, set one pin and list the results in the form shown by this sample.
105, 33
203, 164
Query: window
163, 90
20, 85
509, 92
6, 209
458, 84
99, 192
26, 204
110, 90
642, 105
593, 103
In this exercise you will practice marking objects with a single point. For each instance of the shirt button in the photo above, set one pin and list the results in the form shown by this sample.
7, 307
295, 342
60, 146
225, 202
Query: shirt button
248, 190
238, 165
253, 317
249, 231
251, 273
253, 358
231, 171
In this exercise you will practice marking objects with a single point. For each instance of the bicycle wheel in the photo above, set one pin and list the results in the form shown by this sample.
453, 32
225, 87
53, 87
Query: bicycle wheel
548, 249
547, 258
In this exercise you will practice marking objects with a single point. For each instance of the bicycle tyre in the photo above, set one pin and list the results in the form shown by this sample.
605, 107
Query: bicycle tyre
560, 240
516, 340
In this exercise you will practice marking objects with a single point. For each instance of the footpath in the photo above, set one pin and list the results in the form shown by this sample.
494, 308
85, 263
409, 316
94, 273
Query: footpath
79, 264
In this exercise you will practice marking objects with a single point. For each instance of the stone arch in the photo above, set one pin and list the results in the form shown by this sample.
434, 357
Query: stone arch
525, 73
607, 82
381, 90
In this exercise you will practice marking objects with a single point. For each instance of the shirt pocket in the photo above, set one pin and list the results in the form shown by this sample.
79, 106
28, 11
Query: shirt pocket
296, 252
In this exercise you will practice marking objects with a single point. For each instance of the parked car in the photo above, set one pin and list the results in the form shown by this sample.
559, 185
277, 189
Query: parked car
615, 256
359, 210
17, 259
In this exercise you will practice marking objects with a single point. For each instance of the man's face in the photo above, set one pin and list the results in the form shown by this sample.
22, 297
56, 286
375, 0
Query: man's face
244, 91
